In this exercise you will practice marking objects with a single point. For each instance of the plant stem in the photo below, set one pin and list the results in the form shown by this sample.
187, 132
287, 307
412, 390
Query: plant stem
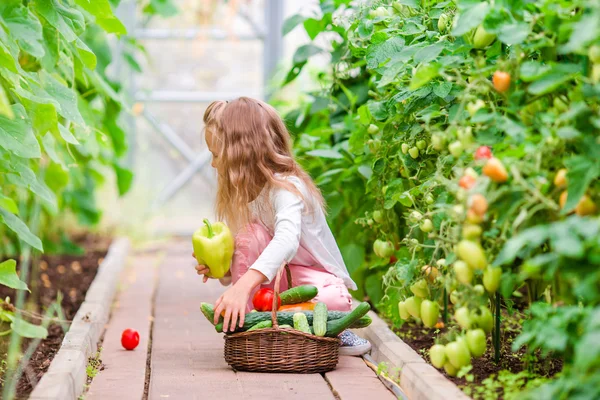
445, 315
497, 331
12, 373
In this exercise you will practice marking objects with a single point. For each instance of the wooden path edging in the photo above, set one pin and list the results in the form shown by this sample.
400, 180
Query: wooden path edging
67, 376
418, 379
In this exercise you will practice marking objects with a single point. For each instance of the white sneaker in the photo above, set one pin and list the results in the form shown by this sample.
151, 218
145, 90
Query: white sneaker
353, 345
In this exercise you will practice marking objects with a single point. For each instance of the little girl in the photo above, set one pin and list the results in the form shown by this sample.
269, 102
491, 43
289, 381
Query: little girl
276, 211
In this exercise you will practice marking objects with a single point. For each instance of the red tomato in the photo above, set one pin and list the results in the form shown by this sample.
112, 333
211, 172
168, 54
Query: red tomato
501, 81
130, 339
393, 259
467, 182
483, 153
263, 300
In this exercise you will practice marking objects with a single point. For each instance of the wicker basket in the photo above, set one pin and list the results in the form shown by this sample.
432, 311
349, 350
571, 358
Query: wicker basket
281, 350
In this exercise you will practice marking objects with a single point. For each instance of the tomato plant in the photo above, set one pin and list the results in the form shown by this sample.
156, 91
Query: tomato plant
522, 78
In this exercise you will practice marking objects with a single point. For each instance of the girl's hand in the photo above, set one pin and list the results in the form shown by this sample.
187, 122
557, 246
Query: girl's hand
202, 270
233, 302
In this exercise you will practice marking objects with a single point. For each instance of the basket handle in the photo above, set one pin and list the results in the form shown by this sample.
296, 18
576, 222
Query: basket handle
286, 267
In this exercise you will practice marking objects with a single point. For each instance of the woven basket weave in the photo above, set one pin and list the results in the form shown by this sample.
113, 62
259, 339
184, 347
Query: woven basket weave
281, 350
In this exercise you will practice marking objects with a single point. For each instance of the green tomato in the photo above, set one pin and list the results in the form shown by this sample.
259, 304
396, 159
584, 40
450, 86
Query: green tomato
458, 354
594, 54
560, 105
413, 306
462, 317
378, 216
450, 369
421, 144
430, 312
476, 342
482, 38
415, 217
596, 73
429, 199
465, 135
441, 25
405, 147
482, 318
454, 297
479, 290
426, 225
383, 249
471, 253
455, 148
473, 107
414, 152
404, 314
384, 190
437, 355
463, 273
420, 288
437, 142
471, 231
491, 279
373, 129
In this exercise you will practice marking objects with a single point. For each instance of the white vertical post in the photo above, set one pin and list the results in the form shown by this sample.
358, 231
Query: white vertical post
273, 41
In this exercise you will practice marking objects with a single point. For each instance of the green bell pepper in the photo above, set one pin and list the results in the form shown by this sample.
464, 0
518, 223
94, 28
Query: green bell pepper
213, 247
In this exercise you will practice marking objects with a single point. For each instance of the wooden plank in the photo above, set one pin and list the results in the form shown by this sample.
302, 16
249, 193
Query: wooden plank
354, 380
124, 371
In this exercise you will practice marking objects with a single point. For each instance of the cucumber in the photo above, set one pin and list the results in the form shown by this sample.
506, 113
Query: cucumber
301, 322
262, 325
286, 318
337, 326
286, 327
209, 311
320, 319
363, 322
299, 294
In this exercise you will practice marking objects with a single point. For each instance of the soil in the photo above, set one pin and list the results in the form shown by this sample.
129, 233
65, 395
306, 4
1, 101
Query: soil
421, 339
71, 275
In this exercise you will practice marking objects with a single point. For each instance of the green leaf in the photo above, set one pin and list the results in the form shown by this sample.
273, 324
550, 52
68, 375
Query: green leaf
66, 134
581, 172
470, 18
50, 11
9, 277
28, 330
17, 136
568, 133
23, 176
5, 108
164, 8
442, 89
313, 27
290, 23
15, 224
429, 53
533, 70
8, 204
325, 153
124, 179
365, 28
554, 79
380, 52
66, 97
364, 114
25, 28
514, 33
303, 53
354, 256
585, 30
423, 75
378, 110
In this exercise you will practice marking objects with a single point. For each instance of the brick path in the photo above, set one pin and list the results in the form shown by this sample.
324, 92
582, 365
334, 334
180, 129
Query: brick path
186, 354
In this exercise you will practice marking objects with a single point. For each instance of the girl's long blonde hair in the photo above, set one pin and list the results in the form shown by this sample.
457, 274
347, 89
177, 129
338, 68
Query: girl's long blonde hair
252, 146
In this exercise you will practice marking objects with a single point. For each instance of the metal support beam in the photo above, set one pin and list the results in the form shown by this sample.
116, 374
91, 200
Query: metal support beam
273, 48
190, 34
184, 177
168, 96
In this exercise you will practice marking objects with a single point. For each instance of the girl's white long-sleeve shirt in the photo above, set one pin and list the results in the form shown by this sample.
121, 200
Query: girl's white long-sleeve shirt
292, 226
